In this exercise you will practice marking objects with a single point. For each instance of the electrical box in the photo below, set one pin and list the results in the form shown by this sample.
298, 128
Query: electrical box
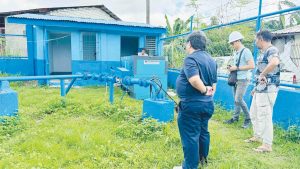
145, 67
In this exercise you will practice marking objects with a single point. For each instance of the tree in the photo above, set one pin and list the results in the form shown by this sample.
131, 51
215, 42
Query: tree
240, 4
178, 27
174, 48
214, 20
196, 5
293, 19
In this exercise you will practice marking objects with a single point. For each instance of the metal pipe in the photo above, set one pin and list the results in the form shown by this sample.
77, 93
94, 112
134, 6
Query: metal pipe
70, 85
62, 88
281, 84
111, 92
28, 78
258, 24
290, 85
3, 35
253, 18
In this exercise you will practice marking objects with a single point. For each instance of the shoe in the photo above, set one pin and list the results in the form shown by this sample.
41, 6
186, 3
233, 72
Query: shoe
263, 149
230, 121
203, 162
252, 140
177, 167
247, 124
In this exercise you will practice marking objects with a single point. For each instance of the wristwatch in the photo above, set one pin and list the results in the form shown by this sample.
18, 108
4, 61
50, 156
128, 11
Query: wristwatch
204, 93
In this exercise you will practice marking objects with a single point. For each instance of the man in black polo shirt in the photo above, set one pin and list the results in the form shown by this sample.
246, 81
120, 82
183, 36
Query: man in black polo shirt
195, 87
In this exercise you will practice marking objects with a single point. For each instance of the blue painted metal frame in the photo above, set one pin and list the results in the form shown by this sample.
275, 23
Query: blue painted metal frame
286, 110
258, 24
63, 90
12, 35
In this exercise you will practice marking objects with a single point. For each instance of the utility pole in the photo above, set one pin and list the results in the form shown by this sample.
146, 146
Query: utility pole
148, 11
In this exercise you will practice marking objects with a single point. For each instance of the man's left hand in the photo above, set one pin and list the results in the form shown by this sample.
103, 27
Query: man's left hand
232, 68
210, 91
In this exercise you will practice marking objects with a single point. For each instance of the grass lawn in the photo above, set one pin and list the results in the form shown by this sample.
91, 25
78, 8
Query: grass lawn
85, 131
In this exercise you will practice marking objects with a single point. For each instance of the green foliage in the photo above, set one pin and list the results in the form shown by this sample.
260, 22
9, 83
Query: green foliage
277, 24
148, 129
218, 39
9, 126
292, 134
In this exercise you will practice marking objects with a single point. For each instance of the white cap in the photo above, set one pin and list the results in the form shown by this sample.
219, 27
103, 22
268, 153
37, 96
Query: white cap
234, 36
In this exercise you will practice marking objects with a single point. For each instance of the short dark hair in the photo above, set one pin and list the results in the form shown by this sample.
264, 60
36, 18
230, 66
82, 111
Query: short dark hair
264, 35
197, 40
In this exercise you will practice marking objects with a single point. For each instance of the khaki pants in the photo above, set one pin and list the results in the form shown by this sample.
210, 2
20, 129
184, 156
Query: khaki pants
261, 112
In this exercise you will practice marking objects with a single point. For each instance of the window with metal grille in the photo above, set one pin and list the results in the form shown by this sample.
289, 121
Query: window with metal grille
89, 45
151, 45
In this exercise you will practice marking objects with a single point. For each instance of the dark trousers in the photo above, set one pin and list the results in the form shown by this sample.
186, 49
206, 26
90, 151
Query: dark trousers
193, 128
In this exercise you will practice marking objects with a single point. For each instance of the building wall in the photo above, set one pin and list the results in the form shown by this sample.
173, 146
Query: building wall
15, 45
297, 38
85, 12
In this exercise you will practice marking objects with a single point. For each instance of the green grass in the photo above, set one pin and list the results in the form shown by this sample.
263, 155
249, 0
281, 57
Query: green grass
85, 131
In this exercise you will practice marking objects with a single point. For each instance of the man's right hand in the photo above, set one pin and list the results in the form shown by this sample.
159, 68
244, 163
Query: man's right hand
252, 92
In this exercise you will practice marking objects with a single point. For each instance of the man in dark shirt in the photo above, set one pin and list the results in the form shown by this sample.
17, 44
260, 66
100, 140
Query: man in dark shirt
195, 87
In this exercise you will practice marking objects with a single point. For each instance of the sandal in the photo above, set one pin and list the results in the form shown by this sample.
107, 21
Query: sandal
252, 139
263, 149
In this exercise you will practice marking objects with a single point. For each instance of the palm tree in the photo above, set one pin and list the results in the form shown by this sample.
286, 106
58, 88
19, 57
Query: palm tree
174, 48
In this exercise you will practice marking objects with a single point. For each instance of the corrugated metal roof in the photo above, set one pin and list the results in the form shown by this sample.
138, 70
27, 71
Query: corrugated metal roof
82, 20
290, 30
46, 10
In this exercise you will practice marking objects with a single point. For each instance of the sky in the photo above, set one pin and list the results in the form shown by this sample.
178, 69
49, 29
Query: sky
135, 10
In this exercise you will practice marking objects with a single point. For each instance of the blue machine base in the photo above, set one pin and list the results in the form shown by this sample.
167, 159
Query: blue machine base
162, 110
8, 100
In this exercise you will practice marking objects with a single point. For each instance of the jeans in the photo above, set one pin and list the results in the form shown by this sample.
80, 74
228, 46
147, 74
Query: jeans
239, 103
193, 128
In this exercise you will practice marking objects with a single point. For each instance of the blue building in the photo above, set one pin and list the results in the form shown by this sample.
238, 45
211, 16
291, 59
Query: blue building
67, 45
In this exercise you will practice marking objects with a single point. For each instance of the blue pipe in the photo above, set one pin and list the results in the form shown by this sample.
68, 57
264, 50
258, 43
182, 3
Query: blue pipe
128, 81
258, 24
70, 85
111, 92
62, 88
236, 22
3, 35
45, 50
253, 18
28, 78
281, 84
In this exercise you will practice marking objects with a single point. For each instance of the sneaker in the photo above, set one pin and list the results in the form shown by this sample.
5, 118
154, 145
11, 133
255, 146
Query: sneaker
177, 167
230, 121
247, 124
203, 162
